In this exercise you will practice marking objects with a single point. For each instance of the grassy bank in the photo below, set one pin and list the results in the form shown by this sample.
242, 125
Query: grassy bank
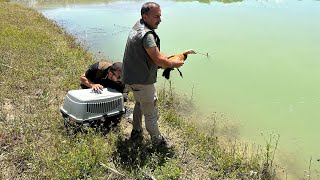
39, 63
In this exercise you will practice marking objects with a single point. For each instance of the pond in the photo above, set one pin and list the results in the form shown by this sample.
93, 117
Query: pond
262, 69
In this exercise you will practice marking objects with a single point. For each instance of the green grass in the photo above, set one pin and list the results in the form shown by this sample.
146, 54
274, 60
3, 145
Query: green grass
39, 63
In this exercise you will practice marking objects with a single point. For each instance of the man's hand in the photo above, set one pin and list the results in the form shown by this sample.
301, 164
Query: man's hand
97, 87
177, 60
162, 60
179, 63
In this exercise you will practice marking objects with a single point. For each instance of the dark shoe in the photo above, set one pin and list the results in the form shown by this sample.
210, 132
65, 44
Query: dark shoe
164, 144
136, 134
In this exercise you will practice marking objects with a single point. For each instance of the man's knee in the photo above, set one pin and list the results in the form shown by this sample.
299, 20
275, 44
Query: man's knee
149, 108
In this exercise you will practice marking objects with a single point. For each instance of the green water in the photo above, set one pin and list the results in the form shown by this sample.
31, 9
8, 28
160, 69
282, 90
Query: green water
263, 65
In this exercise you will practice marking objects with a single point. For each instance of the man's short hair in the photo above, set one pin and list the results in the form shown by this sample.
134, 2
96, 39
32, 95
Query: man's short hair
147, 6
117, 66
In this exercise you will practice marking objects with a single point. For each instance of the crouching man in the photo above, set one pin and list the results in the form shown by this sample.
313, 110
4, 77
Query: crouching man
101, 75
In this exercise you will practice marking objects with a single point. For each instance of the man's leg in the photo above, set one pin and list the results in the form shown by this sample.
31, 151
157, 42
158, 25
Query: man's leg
146, 96
137, 117
151, 115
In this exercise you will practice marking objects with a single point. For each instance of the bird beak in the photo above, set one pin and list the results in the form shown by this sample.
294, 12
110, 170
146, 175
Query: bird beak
190, 51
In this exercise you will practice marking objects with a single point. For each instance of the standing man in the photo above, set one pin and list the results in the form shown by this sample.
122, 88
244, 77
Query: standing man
142, 57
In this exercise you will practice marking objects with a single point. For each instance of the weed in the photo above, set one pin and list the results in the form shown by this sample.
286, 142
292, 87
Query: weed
268, 166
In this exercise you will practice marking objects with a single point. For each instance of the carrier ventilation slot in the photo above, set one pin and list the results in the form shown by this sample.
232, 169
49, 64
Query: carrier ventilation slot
103, 107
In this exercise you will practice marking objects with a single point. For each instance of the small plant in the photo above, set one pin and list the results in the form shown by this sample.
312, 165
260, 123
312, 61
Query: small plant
268, 166
170, 170
307, 174
170, 116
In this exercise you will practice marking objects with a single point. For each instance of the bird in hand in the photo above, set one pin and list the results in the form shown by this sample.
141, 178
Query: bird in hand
183, 56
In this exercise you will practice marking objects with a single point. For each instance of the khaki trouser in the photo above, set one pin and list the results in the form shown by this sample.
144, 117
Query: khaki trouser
146, 104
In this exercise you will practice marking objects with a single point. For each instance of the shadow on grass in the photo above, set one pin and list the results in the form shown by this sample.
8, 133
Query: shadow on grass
103, 126
135, 154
